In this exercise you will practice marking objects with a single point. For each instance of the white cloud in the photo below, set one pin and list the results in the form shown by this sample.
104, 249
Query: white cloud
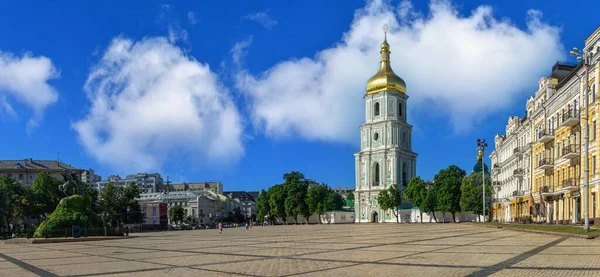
468, 66
169, 18
263, 18
151, 102
192, 20
239, 50
25, 80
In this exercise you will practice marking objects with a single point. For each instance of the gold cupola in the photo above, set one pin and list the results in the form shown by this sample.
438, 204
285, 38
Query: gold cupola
385, 78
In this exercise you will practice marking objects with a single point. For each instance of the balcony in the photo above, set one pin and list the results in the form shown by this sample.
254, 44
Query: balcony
519, 151
570, 184
496, 184
570, 118
547, 191
517, 193
546, 164
518, 172
545, 136
571, 151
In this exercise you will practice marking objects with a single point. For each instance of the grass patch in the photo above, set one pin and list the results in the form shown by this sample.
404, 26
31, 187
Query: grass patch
577, 230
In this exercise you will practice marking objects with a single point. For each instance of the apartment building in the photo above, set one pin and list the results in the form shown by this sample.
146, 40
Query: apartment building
25, 171
147, 182
538, 164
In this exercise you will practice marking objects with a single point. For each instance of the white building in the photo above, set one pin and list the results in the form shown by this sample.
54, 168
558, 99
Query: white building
386, 157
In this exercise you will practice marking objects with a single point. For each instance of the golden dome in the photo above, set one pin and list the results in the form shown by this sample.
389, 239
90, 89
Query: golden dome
385, 78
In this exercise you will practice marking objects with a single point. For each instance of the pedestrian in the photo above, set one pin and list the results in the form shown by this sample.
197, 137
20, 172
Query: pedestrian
220, 227
247, 225
126, 231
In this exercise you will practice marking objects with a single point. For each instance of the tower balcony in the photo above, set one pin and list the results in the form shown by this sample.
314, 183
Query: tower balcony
571, 151
570, 118
546, 164
519, 151
518, 172
545, 136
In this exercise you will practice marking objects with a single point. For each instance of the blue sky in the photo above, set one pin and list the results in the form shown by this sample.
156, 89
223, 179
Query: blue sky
268, 86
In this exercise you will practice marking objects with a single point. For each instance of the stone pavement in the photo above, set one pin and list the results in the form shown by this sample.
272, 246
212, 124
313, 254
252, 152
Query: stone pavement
315, 250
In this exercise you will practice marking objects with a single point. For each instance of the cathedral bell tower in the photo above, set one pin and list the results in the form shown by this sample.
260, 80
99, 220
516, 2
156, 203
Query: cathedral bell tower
386, 157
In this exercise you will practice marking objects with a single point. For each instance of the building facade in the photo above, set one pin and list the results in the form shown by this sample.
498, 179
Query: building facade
552, 131
386, 157
215, 187
90, 177
247, 201
147, 182
25, 171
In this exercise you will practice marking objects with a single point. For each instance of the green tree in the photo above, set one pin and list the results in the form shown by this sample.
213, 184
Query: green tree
350, 196
430, 202
335, 201
277, 201
416, 193
390, 199
317, 199
262, 206
448, 182
176, 214
129, 205
47, 194
471, 194
110, 204
296, 187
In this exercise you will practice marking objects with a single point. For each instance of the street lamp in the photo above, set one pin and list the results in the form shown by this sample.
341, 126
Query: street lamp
585, 57
481, 145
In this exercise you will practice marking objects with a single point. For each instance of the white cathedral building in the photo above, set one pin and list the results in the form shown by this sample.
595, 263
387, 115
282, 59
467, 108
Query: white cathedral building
386, 157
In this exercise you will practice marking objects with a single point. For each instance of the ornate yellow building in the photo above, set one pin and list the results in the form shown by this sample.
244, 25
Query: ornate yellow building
538, 165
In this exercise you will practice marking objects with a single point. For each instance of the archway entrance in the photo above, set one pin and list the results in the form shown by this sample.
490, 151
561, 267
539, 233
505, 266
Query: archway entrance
374, 217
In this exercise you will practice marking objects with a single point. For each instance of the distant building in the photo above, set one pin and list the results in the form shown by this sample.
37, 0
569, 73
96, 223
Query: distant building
88, 176
215, 187
247, 201
25, 171
147, 182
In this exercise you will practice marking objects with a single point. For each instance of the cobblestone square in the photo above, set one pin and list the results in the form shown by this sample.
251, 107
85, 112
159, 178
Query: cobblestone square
313, 250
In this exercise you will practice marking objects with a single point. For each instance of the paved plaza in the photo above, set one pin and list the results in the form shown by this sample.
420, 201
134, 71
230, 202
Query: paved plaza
315, 250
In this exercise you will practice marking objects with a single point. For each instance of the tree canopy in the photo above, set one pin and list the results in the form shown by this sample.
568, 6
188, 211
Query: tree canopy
416, 193
447, 182
390, 199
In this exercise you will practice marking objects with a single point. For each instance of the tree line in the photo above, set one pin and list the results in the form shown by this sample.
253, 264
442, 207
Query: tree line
451, 191
26, 207
297, 197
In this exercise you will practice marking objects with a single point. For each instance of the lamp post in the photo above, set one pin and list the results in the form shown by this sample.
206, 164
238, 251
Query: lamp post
481, 145
585, 57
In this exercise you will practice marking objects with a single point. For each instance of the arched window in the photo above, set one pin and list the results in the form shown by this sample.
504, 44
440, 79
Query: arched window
377, 109
399, 109
376, 174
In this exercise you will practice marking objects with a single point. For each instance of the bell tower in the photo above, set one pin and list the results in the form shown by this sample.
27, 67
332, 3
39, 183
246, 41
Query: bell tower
385, 157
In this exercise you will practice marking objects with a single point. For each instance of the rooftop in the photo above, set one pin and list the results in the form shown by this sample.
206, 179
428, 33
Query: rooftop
30, 164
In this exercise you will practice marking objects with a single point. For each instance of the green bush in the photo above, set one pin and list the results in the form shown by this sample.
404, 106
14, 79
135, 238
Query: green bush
72, 210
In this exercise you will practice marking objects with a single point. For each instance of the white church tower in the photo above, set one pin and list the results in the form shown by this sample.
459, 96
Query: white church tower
386, 157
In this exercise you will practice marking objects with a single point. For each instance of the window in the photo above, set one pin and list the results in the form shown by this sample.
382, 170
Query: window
593, 93
593, 130
32, 176
154, 210
377, 109
400, 109
20, 176
376, 174
144, 210
594, 165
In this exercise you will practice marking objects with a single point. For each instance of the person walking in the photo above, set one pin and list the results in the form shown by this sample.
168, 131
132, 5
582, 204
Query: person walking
220, 227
